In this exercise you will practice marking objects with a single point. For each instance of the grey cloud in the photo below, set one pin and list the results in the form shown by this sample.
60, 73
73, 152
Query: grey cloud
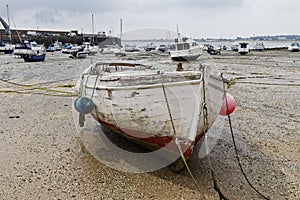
219, 17
216, 3
48, 17
68, 5
107, 6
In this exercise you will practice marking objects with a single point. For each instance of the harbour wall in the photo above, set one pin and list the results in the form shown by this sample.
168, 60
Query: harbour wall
48, 37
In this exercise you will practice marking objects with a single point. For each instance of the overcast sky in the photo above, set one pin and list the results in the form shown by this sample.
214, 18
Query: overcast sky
195, 18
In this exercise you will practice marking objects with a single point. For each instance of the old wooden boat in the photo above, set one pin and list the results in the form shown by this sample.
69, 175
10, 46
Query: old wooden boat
168, 110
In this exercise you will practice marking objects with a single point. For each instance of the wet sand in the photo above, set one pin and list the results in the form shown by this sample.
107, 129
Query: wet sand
42, 157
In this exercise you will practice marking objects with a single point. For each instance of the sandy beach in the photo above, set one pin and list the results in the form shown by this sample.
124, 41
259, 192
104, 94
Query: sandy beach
42, 157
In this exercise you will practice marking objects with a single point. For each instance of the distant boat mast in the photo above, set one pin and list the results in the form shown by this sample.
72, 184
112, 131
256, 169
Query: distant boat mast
93, 31
179, 39
7, 25
121, 27
8, 31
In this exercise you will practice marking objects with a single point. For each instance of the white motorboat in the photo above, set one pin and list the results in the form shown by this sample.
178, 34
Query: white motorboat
6, 47
259, 46
243, 48
109, 49
235, 46
30, 51
92, 49
294, 47
185, 49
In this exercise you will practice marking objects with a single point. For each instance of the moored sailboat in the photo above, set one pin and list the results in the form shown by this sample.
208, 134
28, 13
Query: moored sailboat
30, 51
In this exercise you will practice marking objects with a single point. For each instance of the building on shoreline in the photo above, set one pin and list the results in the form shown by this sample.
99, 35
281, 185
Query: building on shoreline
47, 37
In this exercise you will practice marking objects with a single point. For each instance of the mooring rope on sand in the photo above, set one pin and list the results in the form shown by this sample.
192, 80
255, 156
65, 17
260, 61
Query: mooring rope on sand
31, 85
177, 141
205, 122
205, 115
235, 147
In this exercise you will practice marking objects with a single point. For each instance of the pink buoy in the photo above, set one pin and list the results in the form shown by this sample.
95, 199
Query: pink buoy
231, 105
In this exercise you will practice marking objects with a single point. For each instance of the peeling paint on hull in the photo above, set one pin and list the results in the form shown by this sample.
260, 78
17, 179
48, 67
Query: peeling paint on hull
144, 106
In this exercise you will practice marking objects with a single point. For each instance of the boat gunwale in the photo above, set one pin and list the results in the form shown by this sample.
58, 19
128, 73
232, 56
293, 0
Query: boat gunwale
150, 86
126, 64
93, 67
137, 87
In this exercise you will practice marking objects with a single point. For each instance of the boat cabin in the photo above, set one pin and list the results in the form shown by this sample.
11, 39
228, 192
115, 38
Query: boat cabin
183, 46
243, 48
294, 47
259, 46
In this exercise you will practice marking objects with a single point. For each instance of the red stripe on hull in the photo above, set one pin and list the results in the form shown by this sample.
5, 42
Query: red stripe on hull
151, 142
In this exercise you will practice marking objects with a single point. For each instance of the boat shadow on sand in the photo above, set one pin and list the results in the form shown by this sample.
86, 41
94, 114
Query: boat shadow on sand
228, 176
221, 160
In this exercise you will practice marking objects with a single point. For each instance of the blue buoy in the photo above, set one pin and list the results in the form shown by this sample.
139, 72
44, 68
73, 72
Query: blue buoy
84, 105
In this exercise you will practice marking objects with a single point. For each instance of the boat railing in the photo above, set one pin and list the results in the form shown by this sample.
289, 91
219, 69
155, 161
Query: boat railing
23, 51
147, 86
116, 67
22, 46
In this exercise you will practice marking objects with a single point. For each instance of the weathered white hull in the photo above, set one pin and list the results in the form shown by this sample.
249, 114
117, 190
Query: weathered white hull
189, 55
69, 51
243, 51
82, 54
243, 48
185, 50
7, 49
93, 51
154, 108
35, 54
294, 49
